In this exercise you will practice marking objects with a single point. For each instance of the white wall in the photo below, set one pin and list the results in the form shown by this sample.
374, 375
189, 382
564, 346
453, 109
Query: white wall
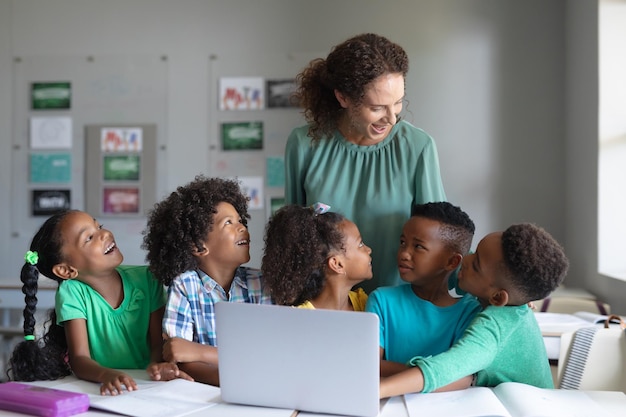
488, 81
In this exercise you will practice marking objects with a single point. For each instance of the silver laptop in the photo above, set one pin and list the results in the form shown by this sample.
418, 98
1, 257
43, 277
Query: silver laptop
321, 361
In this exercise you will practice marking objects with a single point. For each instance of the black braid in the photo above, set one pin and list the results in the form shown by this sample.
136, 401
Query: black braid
44, 359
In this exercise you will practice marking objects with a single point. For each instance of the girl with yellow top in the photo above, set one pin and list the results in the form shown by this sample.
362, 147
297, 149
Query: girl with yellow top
313, 257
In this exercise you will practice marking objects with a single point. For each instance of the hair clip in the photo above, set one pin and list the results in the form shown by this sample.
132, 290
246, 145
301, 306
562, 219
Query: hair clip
320, 208
29, 337
32, 257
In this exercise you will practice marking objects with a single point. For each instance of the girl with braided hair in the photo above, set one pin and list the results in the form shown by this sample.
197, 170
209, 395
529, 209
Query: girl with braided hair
107, 316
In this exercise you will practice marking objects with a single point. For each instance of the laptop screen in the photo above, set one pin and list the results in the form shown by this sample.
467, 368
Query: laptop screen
308, 360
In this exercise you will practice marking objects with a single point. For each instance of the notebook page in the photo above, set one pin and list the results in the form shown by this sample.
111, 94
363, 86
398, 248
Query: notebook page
152, 399
236, 410
527, 401
470, 402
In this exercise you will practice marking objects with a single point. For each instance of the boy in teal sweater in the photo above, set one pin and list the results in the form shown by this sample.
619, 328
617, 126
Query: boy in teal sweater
503, 343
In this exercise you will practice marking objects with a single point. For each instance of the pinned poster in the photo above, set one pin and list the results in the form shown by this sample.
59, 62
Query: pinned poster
280, 93
46, 168
253, 188
50, 132
121, 168
122, 200
275, 167
242, 136
55, 95
241, 93
49, 202
121, 139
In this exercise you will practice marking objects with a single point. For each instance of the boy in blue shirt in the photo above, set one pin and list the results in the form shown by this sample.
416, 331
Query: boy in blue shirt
503, 343
422, 317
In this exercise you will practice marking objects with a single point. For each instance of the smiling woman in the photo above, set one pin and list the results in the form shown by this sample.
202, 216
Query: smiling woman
355, 154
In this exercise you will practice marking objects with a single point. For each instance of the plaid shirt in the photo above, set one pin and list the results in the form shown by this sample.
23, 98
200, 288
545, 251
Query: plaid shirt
190, 312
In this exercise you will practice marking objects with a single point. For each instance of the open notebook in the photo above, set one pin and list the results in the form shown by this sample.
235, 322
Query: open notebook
309, 360
509, 399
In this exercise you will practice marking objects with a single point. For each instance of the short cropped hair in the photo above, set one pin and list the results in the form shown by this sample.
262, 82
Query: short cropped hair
535, 261
456, 230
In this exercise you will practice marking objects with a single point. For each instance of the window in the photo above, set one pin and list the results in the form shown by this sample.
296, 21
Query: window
612, 139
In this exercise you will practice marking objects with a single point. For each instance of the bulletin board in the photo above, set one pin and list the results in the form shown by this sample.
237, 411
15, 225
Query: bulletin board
56, 99
248, 95
120, 181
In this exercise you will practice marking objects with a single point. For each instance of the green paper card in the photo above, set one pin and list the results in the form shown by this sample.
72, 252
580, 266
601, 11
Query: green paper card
242, 136
57, 95
121, 168
46, 168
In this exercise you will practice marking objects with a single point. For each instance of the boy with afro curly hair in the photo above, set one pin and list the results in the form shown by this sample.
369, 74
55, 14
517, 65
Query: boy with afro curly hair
196, 240
503, 343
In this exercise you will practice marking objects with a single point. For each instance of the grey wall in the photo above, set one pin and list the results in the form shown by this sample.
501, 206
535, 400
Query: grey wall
581, 150
506, 88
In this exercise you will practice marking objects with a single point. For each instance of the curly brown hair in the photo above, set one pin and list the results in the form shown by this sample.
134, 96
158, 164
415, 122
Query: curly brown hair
297, 243
349, 68
535, 261
182, 221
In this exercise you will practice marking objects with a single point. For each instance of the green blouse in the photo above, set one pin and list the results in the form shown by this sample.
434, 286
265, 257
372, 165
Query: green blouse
374, 186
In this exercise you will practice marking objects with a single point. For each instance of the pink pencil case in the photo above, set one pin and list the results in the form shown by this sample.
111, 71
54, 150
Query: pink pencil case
40, 401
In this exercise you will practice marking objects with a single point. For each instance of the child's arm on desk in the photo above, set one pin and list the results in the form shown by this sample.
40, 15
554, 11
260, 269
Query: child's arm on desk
158, 369
407, 381
178, 350
388, 368
84, 367
202, 372
412, 380
195, 359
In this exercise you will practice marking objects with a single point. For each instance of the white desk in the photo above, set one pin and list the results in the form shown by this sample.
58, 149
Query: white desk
553, 325
613, 402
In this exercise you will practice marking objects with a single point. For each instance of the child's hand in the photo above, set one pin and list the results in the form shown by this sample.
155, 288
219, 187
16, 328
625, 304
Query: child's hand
166, 371
113, 382
180, 350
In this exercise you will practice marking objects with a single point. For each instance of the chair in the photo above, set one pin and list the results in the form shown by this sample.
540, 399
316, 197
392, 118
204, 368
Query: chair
571, 300
594, 358
571, 305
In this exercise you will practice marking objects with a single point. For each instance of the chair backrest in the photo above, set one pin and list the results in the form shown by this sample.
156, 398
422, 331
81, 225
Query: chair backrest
593, 358
571, 305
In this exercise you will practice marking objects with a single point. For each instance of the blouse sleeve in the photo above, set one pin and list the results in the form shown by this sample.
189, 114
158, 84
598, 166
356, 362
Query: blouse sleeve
429, 187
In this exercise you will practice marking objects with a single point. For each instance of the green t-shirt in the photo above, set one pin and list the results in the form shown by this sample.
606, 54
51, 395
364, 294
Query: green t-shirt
373, 186
502, 344
118, 338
